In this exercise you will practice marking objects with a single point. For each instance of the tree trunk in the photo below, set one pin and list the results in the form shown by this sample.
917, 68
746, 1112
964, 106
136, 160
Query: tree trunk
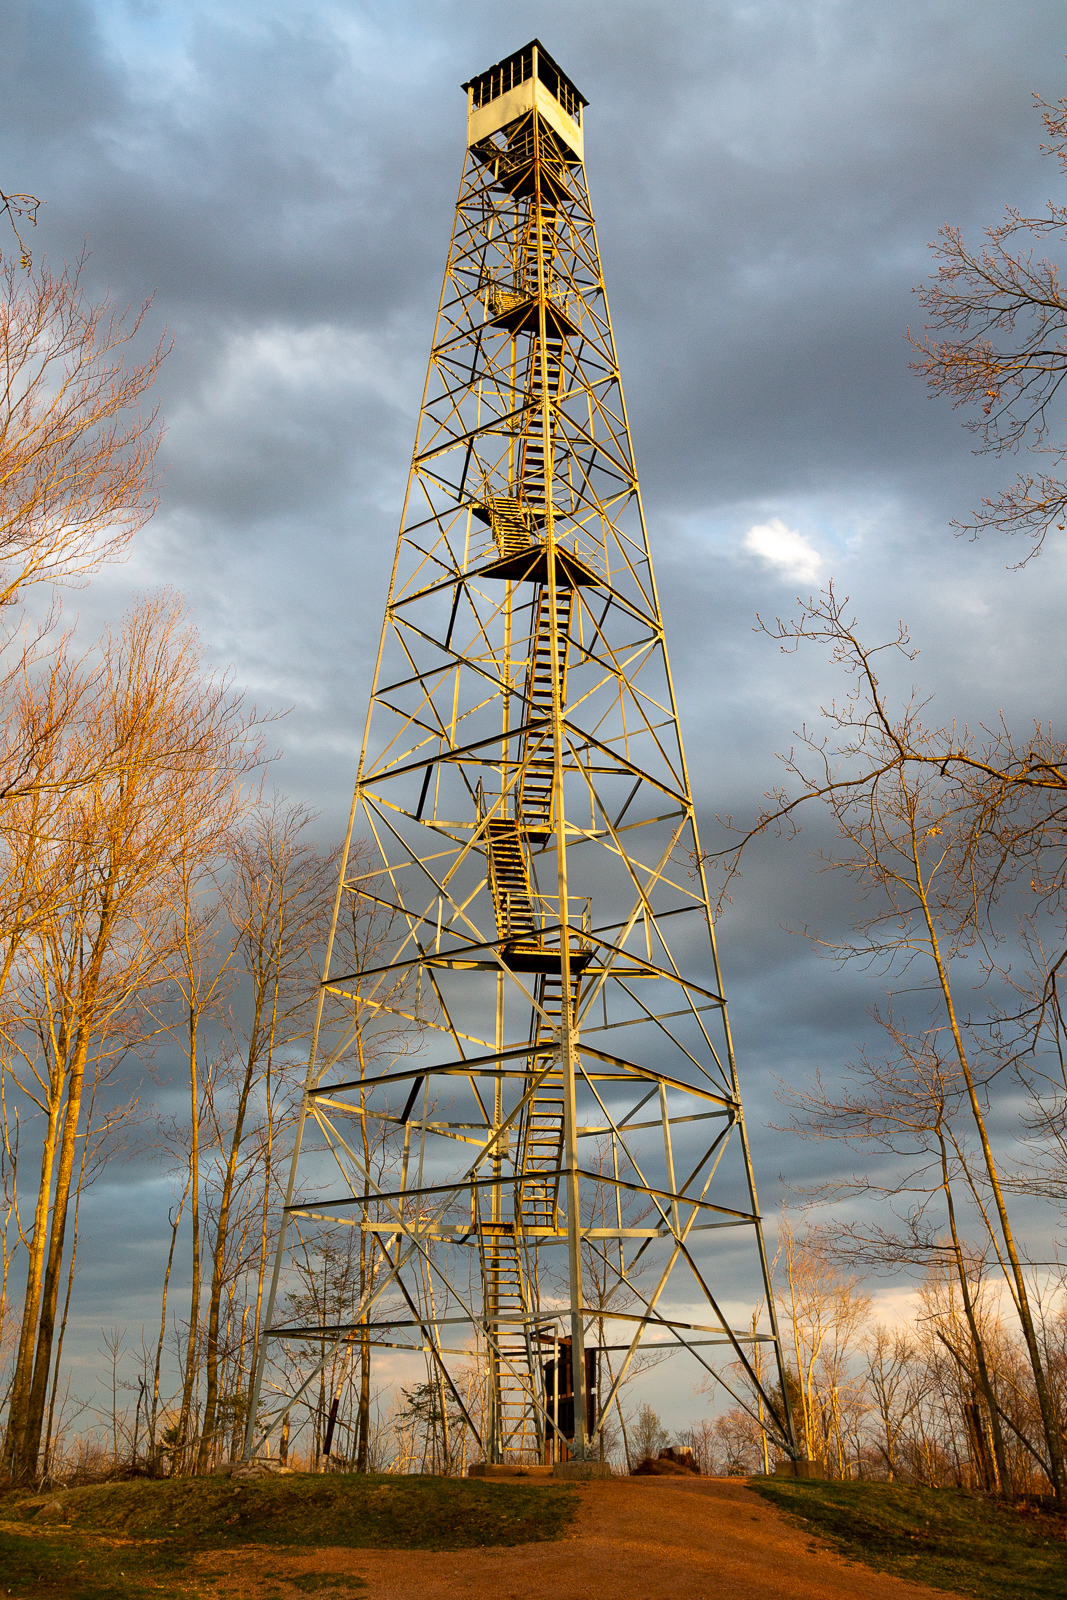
218, 1272
154, 1413
984, 1380
193, 1340
363, 1415
54, 1269
18, 1408
47, 1463
1022, 1300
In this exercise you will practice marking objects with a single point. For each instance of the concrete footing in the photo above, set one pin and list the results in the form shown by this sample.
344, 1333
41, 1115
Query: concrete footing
582, 1469
801, 1468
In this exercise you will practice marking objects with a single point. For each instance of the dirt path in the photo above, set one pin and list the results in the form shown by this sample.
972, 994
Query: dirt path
634, 1539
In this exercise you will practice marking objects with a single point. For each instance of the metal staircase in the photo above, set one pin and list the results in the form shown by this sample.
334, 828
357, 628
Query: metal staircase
514, 519
535, 785
539, 387
510, 523
507, 1323
540, 1153
511, 1314
509, 880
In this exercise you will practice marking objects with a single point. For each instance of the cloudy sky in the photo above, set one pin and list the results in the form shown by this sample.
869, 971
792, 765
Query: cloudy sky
766, 175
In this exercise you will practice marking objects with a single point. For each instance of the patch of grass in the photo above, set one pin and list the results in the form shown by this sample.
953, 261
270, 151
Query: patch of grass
61, 1566
933, 1536
119, 1541
356, 1511
311, 1582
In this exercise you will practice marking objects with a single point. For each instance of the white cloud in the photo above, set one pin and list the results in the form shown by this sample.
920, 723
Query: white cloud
784, 549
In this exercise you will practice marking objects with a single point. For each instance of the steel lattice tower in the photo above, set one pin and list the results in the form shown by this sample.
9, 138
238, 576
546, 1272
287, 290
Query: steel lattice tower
523, 782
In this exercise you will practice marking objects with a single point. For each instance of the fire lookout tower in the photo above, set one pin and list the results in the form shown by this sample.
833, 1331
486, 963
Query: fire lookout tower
567, 1201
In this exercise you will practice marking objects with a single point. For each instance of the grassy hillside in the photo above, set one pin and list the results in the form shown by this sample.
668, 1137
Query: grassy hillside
117, 1541
934, 1536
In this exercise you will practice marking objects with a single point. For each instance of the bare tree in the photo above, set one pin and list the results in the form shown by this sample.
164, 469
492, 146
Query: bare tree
357, 1032
282, 888
1002, 316
932, 828
648, 1434
364, 936
185, 739
823, 1313
200, 965
244, 955
104, 1137
906, 1105
76, 458
890, 1355
20, 208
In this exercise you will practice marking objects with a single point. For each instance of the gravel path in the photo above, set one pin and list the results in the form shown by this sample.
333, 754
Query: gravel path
634, 1539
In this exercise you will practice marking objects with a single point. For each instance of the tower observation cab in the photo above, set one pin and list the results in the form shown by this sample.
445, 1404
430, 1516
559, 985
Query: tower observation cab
522, 1099
529, 81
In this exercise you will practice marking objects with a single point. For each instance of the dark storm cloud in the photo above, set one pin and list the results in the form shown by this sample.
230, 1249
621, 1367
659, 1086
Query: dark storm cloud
766, 178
